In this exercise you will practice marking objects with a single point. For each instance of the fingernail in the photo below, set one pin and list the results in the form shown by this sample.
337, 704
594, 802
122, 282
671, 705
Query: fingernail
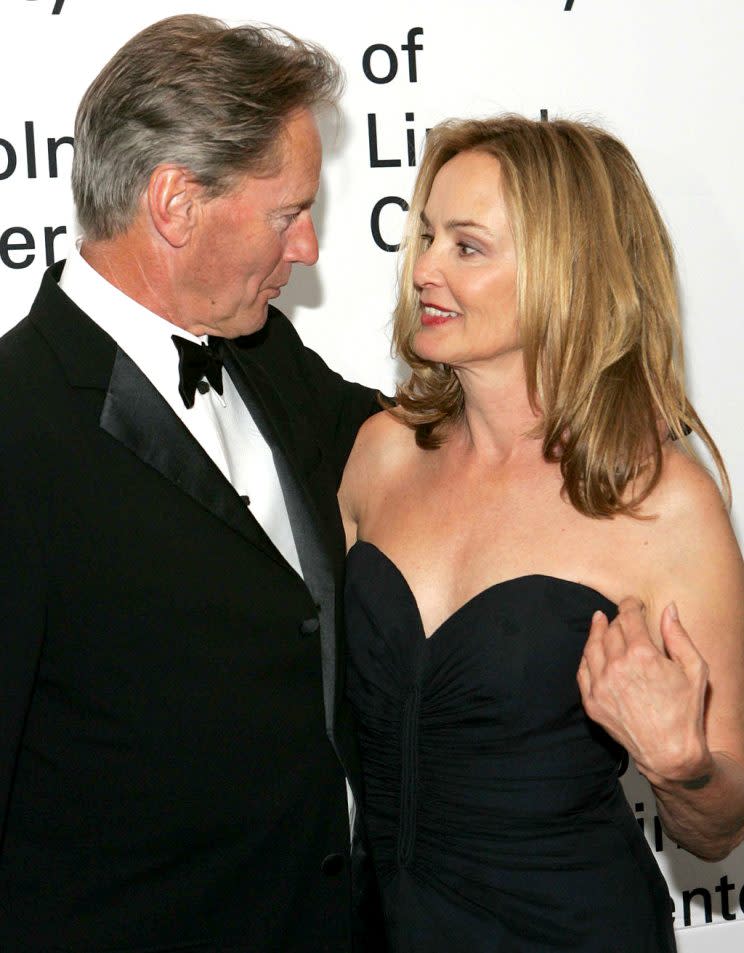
598, 615
672, 610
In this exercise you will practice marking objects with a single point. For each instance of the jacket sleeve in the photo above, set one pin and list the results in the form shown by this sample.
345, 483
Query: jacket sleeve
368, 922
22, 617
343, 408
337, 407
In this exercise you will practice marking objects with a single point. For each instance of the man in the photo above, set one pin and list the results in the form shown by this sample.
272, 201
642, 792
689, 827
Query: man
174, 732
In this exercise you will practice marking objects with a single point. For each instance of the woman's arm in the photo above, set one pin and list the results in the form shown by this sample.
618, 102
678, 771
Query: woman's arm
677, 703
382, 445
348, 492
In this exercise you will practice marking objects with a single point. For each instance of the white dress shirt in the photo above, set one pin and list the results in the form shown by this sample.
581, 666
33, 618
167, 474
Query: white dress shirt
222, 425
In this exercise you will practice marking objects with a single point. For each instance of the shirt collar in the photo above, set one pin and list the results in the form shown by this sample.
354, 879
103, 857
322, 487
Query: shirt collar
142, 334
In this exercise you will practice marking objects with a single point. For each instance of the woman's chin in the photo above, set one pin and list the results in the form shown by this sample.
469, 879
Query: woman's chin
432, 347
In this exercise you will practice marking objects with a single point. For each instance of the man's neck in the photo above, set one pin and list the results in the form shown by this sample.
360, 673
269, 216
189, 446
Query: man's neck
132, 263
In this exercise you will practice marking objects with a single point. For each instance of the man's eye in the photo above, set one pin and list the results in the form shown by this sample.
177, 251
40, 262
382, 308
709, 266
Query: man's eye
286, 219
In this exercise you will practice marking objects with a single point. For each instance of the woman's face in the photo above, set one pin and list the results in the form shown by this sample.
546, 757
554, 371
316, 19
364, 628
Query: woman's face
466, 277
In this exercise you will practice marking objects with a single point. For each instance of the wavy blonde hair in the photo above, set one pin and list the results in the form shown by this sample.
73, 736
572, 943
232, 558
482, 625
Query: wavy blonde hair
597, 309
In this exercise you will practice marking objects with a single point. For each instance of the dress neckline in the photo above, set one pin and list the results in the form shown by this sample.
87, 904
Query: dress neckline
501, 584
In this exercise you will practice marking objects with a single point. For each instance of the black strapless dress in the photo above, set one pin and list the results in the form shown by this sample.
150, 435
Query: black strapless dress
496, 819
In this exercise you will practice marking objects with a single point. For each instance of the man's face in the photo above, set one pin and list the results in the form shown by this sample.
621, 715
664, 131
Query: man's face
245, 241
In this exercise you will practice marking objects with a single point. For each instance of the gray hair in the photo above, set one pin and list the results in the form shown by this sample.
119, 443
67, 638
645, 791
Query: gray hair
190, 90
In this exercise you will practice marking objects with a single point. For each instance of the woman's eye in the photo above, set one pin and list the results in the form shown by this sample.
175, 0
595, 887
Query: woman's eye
426, 240
466, 250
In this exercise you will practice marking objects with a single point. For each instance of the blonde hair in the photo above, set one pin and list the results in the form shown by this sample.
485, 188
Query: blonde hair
597, 308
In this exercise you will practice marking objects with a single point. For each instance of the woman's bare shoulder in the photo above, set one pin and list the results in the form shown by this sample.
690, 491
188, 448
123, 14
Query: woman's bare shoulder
692, 534
687, 493
383, 446
382, 440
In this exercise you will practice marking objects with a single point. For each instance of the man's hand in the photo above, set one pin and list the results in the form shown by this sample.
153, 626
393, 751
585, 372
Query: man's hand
649, 698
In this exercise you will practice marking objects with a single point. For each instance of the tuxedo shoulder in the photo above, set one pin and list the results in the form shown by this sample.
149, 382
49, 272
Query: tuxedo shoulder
278, 348
24, 359
277, 336
279, 328
278, 322
16, 339
38, 405
303, 375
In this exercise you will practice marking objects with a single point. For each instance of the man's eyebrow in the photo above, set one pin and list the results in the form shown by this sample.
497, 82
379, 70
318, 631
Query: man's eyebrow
302, 204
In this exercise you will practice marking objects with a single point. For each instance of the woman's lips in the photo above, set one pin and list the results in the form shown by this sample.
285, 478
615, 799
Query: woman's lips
432, 315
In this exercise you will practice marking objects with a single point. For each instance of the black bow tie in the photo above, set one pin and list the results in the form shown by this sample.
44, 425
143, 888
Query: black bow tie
196, 361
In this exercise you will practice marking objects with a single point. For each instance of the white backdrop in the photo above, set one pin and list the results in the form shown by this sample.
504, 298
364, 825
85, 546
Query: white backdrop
665, 75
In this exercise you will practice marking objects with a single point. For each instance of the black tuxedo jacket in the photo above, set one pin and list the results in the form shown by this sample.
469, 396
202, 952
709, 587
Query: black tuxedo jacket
173, 731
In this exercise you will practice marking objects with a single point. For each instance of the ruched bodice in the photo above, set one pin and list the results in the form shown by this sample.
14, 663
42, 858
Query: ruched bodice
492, 802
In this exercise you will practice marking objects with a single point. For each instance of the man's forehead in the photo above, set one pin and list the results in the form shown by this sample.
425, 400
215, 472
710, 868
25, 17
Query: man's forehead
296, 183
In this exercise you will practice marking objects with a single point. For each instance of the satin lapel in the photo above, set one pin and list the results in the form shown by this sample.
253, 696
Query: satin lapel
293, 454
137, 416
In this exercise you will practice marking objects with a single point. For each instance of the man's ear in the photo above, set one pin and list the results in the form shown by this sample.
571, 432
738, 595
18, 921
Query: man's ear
173, 200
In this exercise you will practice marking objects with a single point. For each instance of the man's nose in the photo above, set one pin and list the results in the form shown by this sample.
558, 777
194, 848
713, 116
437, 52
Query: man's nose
303, 247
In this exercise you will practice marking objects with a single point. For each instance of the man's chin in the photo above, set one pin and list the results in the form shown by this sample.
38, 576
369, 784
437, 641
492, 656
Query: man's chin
243, 325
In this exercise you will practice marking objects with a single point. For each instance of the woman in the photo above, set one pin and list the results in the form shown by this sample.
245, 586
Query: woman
533, 487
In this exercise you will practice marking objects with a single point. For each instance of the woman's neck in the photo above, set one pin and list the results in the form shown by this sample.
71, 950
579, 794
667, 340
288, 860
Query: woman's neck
498, 418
